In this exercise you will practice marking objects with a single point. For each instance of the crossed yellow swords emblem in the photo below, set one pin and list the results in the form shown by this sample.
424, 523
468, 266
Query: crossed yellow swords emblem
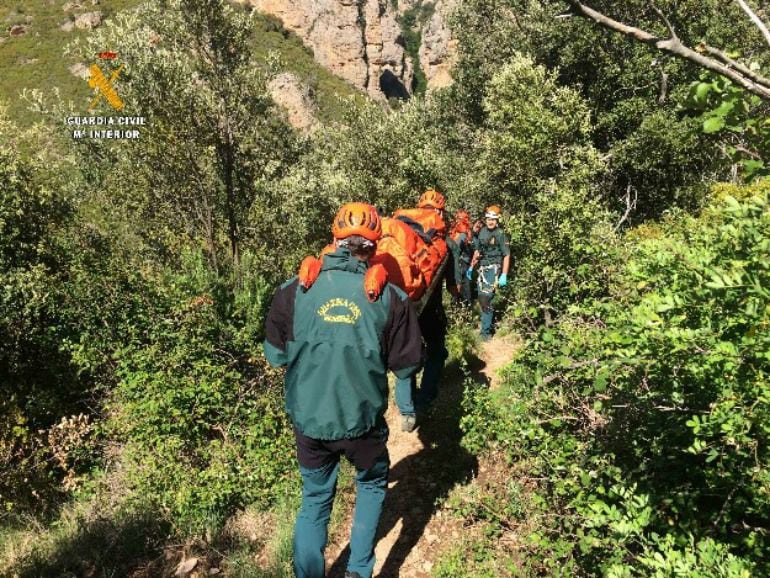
104, 86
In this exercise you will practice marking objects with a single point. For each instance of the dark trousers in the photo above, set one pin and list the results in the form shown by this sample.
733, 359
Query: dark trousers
319, 464
466, 291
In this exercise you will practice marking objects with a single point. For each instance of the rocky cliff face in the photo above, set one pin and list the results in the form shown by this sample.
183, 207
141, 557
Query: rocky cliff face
359, 40
404, 5
288, 91
438, 49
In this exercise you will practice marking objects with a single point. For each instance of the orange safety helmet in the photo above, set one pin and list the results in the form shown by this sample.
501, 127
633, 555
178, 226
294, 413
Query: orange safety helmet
493, 212
357, 219
461, 224
431, 199
462, 216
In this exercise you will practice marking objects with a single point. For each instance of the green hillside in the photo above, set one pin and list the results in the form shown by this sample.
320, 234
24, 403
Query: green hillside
38, 57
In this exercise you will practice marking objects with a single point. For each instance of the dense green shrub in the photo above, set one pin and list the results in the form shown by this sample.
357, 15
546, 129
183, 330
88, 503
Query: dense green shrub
38, 380
646, 413
562, 253
676, 175
197, 412
536, 133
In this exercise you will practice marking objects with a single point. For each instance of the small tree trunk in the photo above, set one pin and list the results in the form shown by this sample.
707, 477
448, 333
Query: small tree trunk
228, 167
211, 242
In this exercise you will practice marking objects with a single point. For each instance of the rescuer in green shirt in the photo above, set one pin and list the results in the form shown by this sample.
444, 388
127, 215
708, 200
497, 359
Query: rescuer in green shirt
493, 255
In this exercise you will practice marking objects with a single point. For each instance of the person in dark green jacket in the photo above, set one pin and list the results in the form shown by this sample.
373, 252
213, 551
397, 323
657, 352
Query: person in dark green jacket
337, 342
493, 254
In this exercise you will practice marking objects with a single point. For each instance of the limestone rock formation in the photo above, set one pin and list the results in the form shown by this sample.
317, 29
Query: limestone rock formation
80, 70
287, 90
438, 49
88, 20
404, 5
359, 40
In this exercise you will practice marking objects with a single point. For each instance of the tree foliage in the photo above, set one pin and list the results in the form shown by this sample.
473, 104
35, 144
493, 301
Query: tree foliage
70, 294
214, 140
200, 420
633, 91
646, 414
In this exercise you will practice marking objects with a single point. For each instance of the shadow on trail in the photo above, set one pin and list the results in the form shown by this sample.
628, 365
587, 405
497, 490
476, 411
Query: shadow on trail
423, 479
130, 545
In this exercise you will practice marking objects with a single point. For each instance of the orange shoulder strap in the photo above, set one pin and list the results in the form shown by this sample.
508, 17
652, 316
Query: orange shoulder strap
309, 271
374, 282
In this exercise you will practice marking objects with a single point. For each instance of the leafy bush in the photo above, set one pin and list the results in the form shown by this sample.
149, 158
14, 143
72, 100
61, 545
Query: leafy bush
462, 335
198, 413
646, 413
677, 175
537, 133
38, 379
634, 93
563, 252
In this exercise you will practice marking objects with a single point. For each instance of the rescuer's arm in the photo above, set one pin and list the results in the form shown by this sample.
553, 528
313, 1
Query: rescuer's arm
402, 337
456, 261
475, 258
279, 325
505, 244
452, 271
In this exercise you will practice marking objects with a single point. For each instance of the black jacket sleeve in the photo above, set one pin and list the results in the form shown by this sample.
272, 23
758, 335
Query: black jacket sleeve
279, 325
402, 337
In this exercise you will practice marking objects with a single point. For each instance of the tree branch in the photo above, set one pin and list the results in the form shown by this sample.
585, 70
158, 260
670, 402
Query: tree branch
671, 31
577, 365
755, 19
742, 68
673, 46
630, 205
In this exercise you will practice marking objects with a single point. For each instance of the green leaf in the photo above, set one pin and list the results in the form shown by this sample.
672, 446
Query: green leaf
702, 91
724, 109
752, 166
600, 382
713, 124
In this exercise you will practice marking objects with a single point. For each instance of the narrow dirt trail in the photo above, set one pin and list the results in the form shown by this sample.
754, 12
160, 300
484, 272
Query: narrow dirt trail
496, 354
425, 466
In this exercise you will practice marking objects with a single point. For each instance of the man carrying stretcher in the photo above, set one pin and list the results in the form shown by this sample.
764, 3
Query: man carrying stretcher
433, 321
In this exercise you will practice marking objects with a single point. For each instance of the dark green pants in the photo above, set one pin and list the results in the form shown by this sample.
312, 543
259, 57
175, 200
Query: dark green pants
369, 455
487, 287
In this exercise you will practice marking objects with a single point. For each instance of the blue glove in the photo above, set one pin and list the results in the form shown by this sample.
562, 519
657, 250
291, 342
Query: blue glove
469, 273
502, 280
